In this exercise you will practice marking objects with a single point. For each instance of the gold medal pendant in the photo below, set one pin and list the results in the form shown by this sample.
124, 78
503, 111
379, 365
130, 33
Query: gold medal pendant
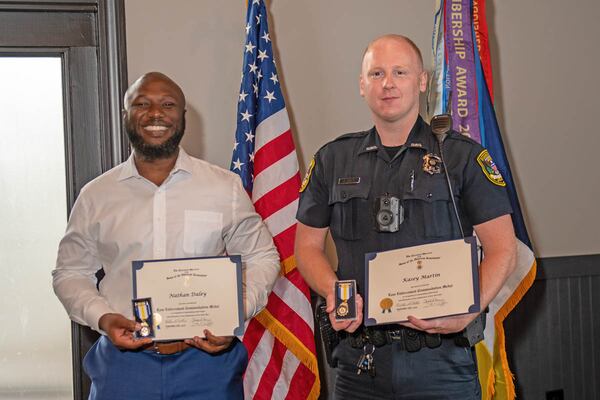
342, 309
145, 329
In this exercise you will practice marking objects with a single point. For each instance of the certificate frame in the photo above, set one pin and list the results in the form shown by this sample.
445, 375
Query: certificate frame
406, 298
222, 280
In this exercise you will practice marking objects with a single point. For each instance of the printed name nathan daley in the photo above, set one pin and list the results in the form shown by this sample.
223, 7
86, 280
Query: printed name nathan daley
188, 294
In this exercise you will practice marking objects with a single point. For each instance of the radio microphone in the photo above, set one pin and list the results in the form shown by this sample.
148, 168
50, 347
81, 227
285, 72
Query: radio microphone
441, 124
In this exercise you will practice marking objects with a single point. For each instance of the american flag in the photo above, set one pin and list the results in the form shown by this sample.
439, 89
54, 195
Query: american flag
280, 340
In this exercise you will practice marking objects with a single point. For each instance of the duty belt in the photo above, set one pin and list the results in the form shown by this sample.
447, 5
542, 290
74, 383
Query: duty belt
409, 340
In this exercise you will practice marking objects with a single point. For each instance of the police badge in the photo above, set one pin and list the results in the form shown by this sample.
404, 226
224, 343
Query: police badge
432, 164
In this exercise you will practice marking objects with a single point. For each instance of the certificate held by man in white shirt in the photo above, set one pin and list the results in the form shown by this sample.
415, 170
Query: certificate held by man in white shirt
188, 295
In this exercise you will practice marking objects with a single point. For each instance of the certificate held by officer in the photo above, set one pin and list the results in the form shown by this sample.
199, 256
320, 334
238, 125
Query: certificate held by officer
427, 281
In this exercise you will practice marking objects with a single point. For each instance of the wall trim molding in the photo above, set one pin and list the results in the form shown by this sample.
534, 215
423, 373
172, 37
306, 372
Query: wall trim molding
568, 266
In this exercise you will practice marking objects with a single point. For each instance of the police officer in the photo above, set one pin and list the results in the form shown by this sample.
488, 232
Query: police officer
398, 161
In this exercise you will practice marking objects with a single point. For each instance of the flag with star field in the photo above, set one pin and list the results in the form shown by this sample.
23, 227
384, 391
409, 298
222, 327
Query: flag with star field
282, 361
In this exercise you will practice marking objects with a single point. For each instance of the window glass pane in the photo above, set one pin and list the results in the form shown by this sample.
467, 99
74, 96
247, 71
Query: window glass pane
35, 337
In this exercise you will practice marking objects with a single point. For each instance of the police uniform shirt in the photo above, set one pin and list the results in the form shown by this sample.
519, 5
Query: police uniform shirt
348, 176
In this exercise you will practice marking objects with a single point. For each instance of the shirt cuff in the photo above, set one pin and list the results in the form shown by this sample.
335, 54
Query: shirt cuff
94, 311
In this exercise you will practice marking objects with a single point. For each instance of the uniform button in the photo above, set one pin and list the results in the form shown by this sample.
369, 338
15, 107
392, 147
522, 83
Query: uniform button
344, 195
429, 195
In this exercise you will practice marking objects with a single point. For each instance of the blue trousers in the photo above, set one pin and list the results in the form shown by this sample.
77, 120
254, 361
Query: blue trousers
191, 374
446, 372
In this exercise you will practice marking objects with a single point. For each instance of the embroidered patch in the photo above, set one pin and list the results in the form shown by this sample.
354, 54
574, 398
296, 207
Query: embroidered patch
307, 176
490, 169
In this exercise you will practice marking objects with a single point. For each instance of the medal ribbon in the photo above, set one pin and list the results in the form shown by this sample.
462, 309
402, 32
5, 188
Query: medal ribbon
345, 291
142, 310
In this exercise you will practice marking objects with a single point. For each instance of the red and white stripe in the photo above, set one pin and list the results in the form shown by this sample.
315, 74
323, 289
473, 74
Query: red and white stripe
274, 370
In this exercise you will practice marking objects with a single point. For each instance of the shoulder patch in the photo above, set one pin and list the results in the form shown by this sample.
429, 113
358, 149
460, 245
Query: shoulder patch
489, 168
308, 175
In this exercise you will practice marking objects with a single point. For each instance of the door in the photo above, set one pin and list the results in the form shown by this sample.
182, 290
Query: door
62, 76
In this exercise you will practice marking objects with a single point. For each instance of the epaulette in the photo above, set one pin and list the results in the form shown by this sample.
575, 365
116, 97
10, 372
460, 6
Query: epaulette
459, 136
311, 166
351, 135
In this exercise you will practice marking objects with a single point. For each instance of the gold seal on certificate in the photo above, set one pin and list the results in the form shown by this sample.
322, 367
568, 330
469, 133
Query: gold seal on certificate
188, 296
427, 281
345, 306
386, 305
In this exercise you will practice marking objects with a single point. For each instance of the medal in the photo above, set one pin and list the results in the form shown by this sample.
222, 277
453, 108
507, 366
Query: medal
344, 292
142, 312
342, 309
145, 330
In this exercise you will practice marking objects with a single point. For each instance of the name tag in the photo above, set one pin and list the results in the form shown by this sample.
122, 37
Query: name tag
352, 180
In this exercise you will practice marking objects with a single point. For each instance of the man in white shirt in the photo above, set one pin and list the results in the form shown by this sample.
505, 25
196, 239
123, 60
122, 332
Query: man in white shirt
160, 203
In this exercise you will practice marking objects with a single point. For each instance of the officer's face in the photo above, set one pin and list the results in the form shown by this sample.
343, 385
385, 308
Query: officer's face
155, 117
391, 80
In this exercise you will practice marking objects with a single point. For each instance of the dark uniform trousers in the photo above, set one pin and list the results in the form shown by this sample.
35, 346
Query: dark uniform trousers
445, 372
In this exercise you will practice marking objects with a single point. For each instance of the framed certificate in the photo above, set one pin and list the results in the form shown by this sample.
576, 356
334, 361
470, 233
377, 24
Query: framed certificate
428, 281
188, 295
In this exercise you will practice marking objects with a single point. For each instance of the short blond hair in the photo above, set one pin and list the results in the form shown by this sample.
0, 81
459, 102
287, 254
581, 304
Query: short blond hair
396, 37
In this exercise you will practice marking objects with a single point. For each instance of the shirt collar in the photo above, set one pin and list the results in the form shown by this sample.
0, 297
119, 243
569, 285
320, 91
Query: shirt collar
420, 136
417, 138
183, 163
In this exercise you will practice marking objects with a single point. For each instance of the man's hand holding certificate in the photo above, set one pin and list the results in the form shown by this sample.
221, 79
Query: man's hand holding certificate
181, 298
428, 281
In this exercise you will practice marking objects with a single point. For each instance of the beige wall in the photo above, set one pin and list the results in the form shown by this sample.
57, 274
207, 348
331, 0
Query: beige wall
544, 65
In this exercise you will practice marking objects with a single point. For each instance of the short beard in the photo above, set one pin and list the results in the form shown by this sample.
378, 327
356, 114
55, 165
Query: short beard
150, 152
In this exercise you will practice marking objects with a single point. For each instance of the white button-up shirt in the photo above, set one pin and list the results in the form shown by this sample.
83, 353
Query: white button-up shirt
119, 217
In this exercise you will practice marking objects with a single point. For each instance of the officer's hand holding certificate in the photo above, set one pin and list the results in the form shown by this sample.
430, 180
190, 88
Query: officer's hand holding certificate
180, 298
428, 281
